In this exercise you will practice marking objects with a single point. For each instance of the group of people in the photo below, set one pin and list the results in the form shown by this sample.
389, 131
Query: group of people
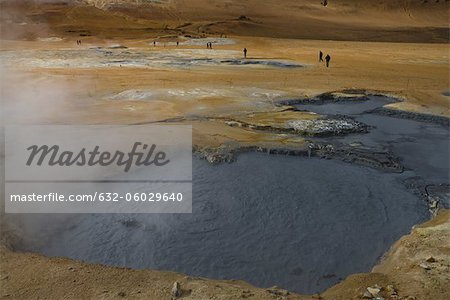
327, 58
209, 46
78, 42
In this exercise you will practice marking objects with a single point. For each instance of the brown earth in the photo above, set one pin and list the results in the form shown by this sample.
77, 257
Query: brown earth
416, 73
386, 20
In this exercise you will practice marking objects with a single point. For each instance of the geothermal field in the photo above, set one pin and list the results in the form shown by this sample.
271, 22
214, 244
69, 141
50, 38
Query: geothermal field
311, 179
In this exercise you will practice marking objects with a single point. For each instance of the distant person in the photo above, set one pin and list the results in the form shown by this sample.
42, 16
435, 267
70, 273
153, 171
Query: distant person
178, 43
327, 59
245, 52
320, 56
154, 43
207, 45
210, 45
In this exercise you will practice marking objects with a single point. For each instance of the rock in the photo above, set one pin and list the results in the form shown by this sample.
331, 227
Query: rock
374, 291
233, 124
176, 290
278, 291
367, 295
391, 290
425, 266
430, 259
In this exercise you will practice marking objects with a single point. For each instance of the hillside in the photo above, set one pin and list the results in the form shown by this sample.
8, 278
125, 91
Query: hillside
397, 21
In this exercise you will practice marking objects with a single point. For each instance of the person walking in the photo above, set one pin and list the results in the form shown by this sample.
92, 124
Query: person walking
320, 56
328, 59
245, 52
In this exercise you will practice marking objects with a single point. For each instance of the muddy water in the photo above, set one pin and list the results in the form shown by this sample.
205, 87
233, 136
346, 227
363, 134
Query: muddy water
302, 224
422, 147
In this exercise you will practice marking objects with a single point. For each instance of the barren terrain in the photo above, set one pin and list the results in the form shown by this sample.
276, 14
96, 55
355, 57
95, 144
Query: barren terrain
143, 62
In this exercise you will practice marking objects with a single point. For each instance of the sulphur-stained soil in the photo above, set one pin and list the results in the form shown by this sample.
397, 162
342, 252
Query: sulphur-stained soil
416, 267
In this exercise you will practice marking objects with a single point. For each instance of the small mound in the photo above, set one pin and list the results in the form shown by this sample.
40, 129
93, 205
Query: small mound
325, 127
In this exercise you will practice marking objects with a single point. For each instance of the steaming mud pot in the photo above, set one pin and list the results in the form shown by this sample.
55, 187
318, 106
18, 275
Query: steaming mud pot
299, 223
302, 224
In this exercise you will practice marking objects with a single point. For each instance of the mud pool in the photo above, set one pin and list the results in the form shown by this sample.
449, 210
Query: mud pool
422, 147
298, 223
302, 224
119, 56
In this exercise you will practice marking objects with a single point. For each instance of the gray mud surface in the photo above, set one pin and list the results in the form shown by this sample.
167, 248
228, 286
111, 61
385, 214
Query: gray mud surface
302, 224
299, 223
421, 144
120, 56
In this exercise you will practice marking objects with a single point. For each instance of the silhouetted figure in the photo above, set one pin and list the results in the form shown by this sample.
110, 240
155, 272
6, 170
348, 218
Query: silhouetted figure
178, 43
320, 56
207, 45
154, 43
245, 52
327, 59
210, 45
